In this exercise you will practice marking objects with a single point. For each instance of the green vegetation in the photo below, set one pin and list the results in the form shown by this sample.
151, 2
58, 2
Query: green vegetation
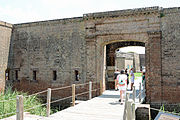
137, 75
162, 108
9, 105
162, 15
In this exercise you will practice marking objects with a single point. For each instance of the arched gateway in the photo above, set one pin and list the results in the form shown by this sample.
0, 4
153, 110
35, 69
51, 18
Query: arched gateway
141, 25
62, 52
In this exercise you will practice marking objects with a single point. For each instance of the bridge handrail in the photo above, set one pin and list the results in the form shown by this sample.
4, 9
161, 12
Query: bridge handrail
8, 100
129, 108
71, 96
35, 107
164, 111
37, 93
130, 104
7, 114
60, 88
54, 89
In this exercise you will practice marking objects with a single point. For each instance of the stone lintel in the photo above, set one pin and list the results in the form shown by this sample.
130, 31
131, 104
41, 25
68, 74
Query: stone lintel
90, 40
154, 33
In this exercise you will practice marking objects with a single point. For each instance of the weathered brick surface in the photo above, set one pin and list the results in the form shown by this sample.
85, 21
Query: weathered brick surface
153, 67
5, 36
46, 47
143, 112
123, 60
171, 55
142, 60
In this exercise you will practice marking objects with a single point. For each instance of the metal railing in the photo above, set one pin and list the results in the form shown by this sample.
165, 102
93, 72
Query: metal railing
131, 104
19, 100
129, 107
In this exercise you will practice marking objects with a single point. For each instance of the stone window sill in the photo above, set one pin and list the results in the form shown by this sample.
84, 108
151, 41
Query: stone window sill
34, 81
16, 80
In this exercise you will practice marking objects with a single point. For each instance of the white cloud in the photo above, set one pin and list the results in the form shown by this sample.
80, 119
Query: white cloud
17, 11
18, 14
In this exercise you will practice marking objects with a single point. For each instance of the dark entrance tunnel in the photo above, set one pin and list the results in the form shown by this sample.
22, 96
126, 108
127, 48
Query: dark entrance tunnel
110, 50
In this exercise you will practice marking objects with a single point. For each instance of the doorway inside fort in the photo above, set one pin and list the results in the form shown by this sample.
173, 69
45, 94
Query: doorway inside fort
123, 55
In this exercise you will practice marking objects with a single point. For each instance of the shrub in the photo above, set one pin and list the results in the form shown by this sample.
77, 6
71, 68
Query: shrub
9, 106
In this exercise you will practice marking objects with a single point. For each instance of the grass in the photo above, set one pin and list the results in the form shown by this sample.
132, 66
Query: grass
136, 75
10, 106
162, 108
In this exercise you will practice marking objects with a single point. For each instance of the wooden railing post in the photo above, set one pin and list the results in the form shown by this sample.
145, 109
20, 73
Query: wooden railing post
129, 110
125, 106
134, 93
73, 94
19, 108
48, 102
90, 90
133, 112
139, 92
127, 95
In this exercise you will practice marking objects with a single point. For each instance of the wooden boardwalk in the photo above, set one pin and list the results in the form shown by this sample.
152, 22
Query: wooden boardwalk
104, 107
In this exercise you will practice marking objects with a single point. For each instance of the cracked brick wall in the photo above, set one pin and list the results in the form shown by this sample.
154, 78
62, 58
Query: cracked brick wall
171, 55
44, 47
5, 36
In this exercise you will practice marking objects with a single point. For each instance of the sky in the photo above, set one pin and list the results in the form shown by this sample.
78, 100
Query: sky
21, 11
137, 49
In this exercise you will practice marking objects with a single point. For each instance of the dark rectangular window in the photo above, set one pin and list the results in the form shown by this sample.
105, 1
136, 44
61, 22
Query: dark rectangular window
7, 72
76, 75
54, 75
16, 74
34, 75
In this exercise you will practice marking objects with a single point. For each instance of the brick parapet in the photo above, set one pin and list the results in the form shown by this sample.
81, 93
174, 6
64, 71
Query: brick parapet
170, 10
118, 13
5, 24
50, 22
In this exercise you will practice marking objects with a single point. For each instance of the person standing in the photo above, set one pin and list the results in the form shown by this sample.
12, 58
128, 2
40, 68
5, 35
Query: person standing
116, 73
143, 80
122, 84
132, 77
127, 77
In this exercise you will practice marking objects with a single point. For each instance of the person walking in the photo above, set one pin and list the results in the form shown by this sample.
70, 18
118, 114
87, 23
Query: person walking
122, 84
116, 73
132, 77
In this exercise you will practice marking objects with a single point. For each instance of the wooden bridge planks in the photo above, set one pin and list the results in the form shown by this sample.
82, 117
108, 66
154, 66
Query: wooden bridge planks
104, 107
